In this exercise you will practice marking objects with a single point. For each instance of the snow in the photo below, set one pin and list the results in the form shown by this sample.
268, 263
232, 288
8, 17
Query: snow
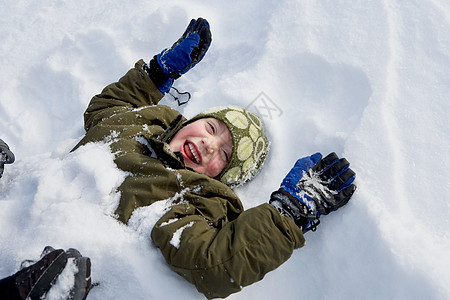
367, 79
176, 238
64, 282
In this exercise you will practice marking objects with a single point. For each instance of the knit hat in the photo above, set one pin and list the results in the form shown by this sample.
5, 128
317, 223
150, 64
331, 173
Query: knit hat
250, 145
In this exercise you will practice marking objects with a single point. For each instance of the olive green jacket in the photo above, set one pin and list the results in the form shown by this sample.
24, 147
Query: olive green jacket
205, 235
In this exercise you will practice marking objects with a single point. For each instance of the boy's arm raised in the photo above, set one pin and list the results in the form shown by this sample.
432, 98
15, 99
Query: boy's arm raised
147, 84
133, 90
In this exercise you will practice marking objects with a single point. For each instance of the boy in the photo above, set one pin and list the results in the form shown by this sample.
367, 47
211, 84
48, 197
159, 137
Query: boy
204, 234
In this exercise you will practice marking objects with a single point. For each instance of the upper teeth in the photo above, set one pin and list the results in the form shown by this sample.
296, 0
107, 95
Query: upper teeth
193, 153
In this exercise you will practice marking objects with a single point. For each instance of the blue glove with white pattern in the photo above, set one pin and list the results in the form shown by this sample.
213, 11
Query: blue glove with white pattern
314, 186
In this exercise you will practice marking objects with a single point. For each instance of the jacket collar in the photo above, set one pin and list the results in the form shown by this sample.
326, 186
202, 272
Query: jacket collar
173, 128
161, 145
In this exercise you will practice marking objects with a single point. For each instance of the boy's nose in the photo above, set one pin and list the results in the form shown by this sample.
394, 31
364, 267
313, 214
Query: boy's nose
210, 145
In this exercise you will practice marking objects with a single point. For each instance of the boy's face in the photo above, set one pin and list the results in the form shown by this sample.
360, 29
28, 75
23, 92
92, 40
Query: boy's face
206, 145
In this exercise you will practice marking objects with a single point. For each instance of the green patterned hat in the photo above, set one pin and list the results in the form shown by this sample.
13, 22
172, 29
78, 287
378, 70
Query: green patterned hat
250, 145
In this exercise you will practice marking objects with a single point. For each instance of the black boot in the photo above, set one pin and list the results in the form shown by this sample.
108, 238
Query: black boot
6, 156
82, 284
35, 280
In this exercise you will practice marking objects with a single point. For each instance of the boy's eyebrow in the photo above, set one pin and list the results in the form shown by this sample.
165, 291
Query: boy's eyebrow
224, 128
221, 125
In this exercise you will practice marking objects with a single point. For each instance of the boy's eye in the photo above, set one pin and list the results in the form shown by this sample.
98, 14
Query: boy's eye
227, 157
213, 129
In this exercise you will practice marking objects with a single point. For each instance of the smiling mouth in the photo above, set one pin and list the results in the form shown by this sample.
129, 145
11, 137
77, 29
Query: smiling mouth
191, 152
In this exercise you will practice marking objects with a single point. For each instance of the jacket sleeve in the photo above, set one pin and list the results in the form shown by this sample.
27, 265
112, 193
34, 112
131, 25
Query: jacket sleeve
219, 259
133, 90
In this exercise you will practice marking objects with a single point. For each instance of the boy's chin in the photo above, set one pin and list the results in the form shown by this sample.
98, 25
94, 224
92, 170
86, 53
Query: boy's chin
194, 167
199, 169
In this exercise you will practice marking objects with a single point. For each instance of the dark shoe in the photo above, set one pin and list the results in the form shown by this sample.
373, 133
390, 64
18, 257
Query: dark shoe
82, 284
6, 156
28, 262
35, 281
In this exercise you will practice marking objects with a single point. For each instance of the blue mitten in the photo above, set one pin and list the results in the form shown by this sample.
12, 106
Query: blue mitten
314, 186
184, 54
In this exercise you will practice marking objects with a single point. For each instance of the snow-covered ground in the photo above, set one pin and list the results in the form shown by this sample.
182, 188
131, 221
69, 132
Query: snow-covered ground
369, 80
